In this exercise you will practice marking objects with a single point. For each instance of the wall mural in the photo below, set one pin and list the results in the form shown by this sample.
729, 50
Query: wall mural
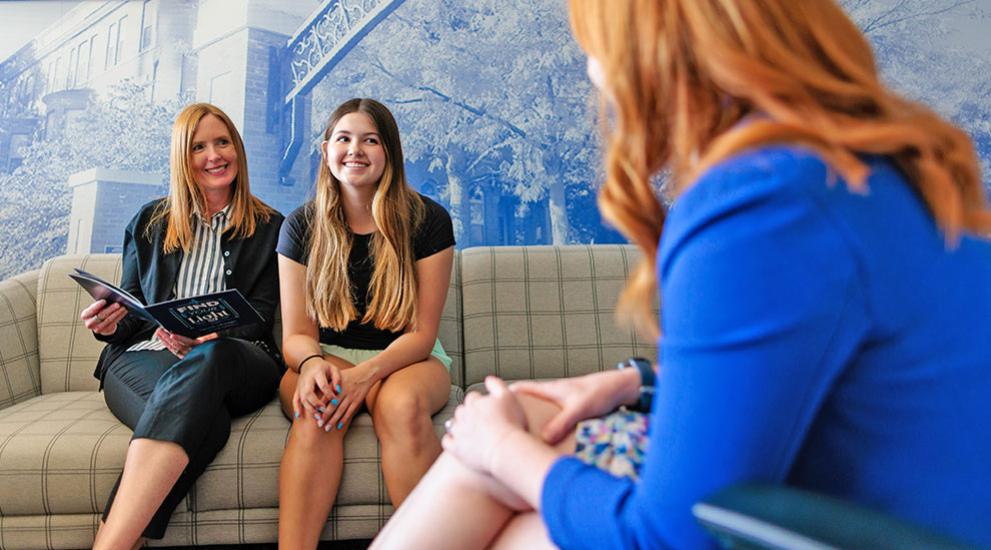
496, 114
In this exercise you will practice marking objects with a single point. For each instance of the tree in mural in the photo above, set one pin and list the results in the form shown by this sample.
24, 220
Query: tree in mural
496, 91
910, 41
500, 95
124, 131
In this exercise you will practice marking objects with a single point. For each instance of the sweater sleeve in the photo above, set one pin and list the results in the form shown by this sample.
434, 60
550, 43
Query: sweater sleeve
762, 307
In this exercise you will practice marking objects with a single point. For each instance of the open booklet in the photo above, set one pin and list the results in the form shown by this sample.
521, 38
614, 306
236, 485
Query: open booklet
191, 317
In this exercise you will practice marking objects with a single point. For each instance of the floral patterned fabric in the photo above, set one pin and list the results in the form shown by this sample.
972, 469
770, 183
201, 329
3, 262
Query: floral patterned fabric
615, 443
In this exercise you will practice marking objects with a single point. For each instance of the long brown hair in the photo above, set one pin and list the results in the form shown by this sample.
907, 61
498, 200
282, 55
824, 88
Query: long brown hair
681, 73
397, 211
185, 196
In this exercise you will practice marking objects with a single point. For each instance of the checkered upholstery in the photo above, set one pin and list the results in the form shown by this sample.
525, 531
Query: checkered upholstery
215, 527
67, 351
545, 311
250, 462
449, 331
61, 453
20, 376
519, 312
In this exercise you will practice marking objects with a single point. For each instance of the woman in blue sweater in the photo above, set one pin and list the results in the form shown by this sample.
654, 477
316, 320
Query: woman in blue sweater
825, 290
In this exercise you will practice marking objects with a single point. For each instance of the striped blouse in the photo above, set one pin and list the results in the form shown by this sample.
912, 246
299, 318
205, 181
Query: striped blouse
201, 271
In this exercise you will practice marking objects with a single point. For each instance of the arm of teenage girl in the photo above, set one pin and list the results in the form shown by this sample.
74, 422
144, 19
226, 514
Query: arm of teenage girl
433, 275
301, 343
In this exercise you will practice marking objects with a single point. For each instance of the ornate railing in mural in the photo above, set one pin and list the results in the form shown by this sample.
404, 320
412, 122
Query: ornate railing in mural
322, 42
328, 35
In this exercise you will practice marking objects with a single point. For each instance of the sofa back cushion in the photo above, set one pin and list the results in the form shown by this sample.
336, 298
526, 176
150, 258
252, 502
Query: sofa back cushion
449, 331
545, 311
19, 371
68, 352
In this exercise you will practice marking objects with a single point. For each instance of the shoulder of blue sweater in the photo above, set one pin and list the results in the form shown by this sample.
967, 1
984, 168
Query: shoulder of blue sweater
770, 164
774, 171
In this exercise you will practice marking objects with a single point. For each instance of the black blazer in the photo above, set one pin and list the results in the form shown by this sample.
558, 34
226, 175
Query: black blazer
250, 266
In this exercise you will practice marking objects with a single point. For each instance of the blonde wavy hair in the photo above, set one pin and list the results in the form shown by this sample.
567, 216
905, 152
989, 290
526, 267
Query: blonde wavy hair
397, 211
680, 74
186, 197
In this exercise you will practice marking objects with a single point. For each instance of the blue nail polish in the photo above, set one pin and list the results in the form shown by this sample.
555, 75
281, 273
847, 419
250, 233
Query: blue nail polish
338, 388
340, 425
333, 402
297, 414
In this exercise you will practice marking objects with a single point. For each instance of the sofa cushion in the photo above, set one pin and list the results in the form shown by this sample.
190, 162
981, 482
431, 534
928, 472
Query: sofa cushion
545, 311
246, 472
61, 453
19, 371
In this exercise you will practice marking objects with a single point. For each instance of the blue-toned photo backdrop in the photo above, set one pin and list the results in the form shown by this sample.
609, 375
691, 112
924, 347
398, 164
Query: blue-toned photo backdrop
496, 113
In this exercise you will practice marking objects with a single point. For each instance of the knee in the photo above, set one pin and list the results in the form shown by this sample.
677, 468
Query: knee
402, 416
211, 360
306, 436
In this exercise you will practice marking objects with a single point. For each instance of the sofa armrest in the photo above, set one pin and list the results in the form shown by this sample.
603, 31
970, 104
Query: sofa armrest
774, 516
20, 374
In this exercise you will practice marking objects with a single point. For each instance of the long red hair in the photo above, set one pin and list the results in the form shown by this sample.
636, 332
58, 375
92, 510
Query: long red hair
681, 73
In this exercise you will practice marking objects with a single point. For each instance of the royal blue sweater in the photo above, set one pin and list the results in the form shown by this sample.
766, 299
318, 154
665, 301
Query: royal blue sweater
813, 336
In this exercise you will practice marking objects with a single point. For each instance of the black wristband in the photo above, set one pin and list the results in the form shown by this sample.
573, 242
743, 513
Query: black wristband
647, 381
299, 367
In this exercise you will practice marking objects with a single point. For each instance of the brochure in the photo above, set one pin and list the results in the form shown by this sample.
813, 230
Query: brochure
190, 317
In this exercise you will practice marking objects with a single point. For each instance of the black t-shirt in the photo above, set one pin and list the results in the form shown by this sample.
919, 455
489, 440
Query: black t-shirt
434, 234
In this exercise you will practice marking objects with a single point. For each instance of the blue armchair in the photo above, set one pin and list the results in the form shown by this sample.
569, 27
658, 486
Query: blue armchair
773, 516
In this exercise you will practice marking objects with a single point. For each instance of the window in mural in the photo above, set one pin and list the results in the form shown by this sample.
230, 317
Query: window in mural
119, 40
148, 21
70, 76
112, 36
85, 57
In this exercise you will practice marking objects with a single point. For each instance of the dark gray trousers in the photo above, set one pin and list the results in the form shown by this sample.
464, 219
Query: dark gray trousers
189, 402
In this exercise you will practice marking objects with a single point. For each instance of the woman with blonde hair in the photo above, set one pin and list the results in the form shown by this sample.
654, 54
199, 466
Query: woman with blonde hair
825, 285
179, 394
364, 270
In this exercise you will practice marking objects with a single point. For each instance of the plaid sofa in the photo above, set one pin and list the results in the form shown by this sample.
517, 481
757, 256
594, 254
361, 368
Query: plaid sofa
518, 312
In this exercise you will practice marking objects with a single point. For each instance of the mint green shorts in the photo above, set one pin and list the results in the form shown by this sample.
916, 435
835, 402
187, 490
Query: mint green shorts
355, 356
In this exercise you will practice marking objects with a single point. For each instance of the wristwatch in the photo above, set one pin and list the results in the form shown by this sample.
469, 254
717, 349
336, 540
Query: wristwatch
648, 380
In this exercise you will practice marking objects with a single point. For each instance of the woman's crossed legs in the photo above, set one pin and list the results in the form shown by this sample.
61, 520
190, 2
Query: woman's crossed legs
489, 514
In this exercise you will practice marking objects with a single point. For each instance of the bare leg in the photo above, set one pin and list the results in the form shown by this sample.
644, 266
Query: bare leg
401, 407
310, 473
140, 542
483, 505
150, 471
525, 530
